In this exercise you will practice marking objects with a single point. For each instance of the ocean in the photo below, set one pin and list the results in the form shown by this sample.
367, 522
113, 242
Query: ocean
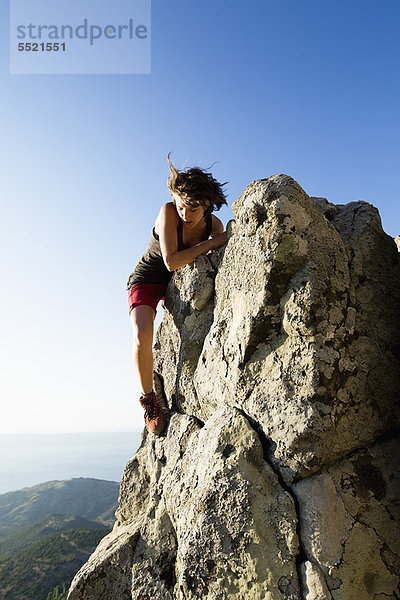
28, 459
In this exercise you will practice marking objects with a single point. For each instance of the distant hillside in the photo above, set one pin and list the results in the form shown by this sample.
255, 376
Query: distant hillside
48, 531
60, 592
34, 572
26, 535
93, 499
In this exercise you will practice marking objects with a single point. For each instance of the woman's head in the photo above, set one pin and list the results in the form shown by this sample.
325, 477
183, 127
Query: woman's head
195, 187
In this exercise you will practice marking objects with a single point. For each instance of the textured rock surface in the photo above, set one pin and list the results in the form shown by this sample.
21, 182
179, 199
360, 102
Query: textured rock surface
278, 476
350, 522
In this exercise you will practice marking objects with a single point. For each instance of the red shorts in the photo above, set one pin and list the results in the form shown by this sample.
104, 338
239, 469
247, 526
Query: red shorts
147, 294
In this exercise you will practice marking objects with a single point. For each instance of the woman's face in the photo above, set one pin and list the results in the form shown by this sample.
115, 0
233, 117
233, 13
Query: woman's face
190, 215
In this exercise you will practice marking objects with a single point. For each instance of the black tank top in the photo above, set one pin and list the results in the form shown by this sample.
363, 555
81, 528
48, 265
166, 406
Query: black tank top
151, 267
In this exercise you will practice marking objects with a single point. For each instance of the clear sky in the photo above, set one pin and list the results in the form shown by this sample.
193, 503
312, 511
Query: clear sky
309, 88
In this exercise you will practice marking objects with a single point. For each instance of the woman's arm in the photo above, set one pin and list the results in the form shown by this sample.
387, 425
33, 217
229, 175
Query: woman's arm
167, 223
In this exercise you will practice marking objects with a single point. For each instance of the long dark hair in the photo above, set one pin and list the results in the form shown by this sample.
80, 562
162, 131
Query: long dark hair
196, 187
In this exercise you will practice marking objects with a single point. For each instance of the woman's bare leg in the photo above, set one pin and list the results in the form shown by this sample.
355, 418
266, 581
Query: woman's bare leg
142, 319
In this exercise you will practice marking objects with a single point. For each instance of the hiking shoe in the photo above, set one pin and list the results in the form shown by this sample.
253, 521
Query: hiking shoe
154, 416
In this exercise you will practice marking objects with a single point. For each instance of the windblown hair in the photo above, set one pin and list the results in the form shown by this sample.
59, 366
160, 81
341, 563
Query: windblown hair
196, 187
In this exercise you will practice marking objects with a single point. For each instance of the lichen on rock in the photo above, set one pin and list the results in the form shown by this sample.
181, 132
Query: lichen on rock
276, 478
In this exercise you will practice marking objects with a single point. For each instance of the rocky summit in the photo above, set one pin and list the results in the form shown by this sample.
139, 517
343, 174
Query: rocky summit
278, 476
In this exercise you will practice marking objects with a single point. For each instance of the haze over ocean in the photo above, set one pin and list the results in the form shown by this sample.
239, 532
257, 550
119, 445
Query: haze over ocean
28, 459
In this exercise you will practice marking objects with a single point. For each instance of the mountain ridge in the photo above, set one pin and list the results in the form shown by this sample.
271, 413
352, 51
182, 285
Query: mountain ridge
41, 550
87, 497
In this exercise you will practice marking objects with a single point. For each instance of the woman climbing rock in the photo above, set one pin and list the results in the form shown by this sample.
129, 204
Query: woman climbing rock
184, 229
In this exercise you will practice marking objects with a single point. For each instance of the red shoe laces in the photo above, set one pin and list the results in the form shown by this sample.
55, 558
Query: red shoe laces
150, 407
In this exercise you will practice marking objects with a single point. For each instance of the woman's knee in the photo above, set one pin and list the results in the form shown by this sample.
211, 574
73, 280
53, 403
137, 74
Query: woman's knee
142, 337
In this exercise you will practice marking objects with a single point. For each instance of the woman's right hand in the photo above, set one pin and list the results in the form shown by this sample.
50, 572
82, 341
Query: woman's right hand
218, 240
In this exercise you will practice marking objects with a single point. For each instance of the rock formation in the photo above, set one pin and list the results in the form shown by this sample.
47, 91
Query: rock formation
278, 476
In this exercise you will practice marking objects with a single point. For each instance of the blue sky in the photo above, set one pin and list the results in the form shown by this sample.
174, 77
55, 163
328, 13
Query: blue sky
306, 88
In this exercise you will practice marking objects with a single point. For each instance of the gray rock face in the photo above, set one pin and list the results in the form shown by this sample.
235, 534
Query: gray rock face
278, 475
